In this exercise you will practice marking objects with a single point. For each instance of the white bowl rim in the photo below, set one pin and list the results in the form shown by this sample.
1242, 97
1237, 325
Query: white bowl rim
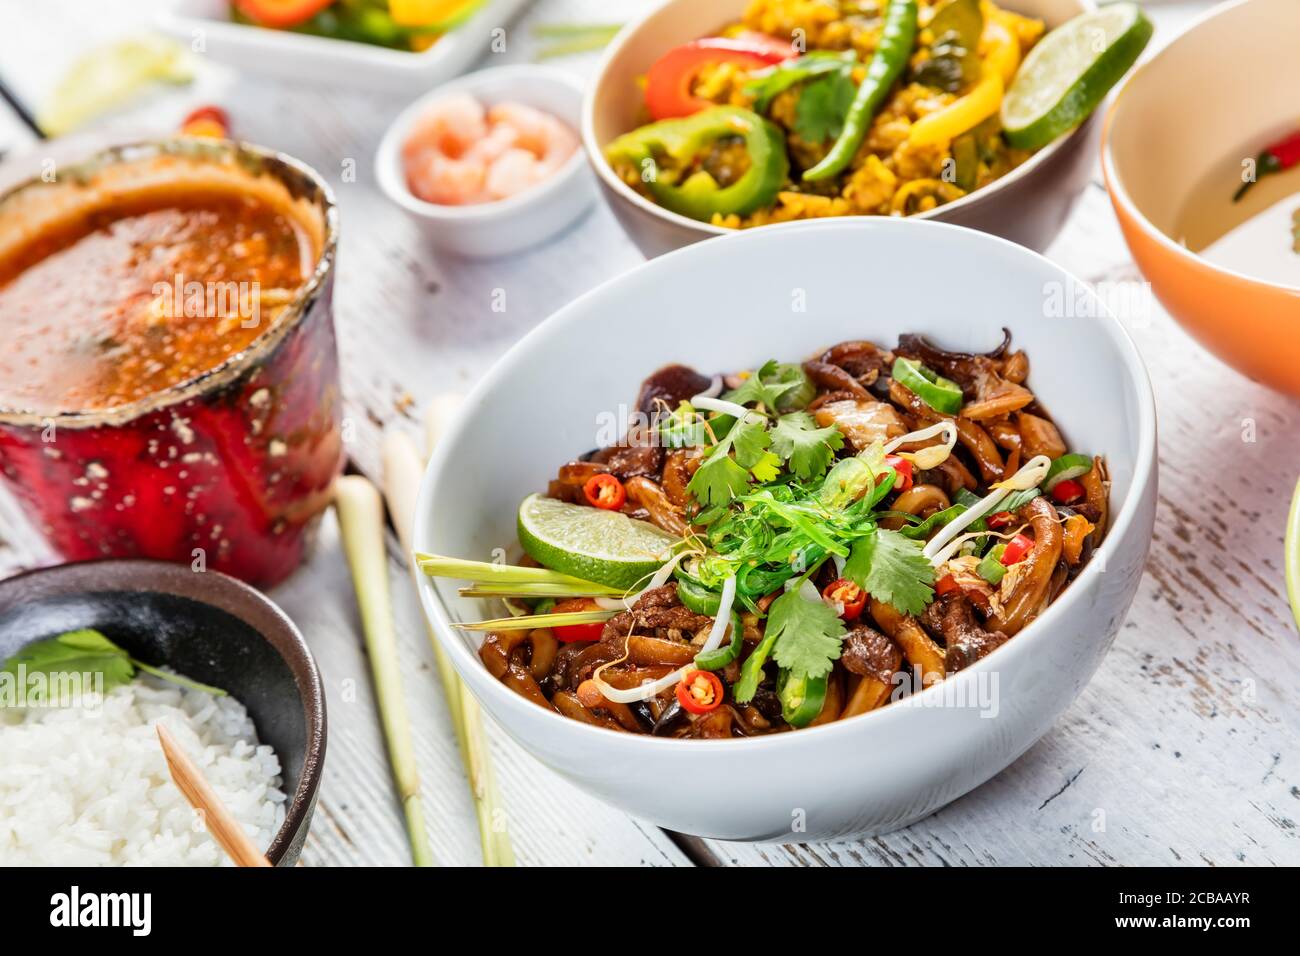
388, 154
1115, 182
596, 152
523, 709
177, 19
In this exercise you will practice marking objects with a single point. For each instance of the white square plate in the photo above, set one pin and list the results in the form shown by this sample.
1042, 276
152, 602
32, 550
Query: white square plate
295, 56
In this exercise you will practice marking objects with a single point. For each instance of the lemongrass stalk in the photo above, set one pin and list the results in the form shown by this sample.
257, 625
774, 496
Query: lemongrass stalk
530, 621
361, 523
402, 473
484, 572
574, 29
538, 591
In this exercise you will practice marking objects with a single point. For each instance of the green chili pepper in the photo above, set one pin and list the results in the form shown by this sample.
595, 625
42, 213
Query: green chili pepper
802, 697
941, 394
683, 140
892, 53
718, 658
924, 528
696, 597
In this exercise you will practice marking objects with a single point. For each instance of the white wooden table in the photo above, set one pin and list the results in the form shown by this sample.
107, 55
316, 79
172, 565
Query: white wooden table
1181, 750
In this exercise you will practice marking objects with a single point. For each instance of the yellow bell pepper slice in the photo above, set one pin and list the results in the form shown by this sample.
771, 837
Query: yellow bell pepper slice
417, 13
1001, 59
960, 115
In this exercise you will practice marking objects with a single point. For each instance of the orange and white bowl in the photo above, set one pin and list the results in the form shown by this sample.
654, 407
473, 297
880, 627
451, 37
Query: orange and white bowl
1228, 83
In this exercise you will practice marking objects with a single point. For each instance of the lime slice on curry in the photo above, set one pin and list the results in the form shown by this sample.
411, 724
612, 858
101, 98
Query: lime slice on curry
1291, 558
109, 76
590, 543
1070, 71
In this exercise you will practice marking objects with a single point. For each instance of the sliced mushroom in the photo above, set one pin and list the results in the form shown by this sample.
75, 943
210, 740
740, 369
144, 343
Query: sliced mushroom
651, 496
921, 652
1031, 584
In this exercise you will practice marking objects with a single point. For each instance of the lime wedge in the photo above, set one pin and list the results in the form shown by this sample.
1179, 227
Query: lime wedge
1070, 71
1291, 557
602, 546
107, 77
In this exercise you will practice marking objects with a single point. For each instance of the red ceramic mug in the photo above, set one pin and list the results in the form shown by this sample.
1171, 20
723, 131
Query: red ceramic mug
228, 469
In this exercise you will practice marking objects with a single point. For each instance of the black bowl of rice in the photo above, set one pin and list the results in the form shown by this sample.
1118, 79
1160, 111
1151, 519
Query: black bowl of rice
86, 784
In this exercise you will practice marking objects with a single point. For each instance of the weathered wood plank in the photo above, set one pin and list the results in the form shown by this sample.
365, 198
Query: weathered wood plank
1182, 748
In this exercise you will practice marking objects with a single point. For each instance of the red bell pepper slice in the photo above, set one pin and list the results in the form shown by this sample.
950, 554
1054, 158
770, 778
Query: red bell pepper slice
281, 13
578, 632
669, 79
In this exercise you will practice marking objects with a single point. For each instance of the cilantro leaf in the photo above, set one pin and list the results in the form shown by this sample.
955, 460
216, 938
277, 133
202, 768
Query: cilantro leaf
762, 387
85, 652
750, 439
767, 468
809, 634
809, 449
822, 106
892, 569
770, 83
77, 652
718, 480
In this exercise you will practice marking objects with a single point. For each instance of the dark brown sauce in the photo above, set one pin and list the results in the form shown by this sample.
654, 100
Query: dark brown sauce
132, 299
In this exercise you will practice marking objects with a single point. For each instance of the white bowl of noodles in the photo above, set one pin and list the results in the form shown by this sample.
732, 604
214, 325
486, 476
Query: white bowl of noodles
786, 292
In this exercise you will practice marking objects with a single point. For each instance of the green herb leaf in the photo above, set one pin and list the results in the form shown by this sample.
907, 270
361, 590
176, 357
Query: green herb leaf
764, 387
892, 569
77, 652
823, 105
770, 83
751, 672
88, 652
718, 480
767, 468
809, 449
809, 634
749, 439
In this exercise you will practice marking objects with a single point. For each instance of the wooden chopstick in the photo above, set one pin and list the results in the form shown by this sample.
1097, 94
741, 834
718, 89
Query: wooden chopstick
225, 829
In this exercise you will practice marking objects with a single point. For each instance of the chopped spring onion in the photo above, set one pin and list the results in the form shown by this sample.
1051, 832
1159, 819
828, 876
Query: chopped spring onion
931, 457
1027, 477
991, 568
1065, 468
653, 688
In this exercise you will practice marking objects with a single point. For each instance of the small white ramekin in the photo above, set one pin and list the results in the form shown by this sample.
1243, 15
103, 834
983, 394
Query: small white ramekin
508, 225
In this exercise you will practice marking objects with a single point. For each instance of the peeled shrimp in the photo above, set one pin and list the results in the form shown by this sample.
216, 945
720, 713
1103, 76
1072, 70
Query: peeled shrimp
459, 153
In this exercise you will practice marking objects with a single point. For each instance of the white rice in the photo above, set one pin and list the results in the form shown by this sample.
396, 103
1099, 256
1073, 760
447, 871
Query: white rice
89, 786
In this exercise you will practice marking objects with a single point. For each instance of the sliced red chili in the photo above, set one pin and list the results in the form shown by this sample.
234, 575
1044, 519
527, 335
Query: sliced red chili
578, 632
999, 520
1067, 491
210, 121
1017, 548
903, 467
670, 78
848, 595
700, 691
605, 491
946, 583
